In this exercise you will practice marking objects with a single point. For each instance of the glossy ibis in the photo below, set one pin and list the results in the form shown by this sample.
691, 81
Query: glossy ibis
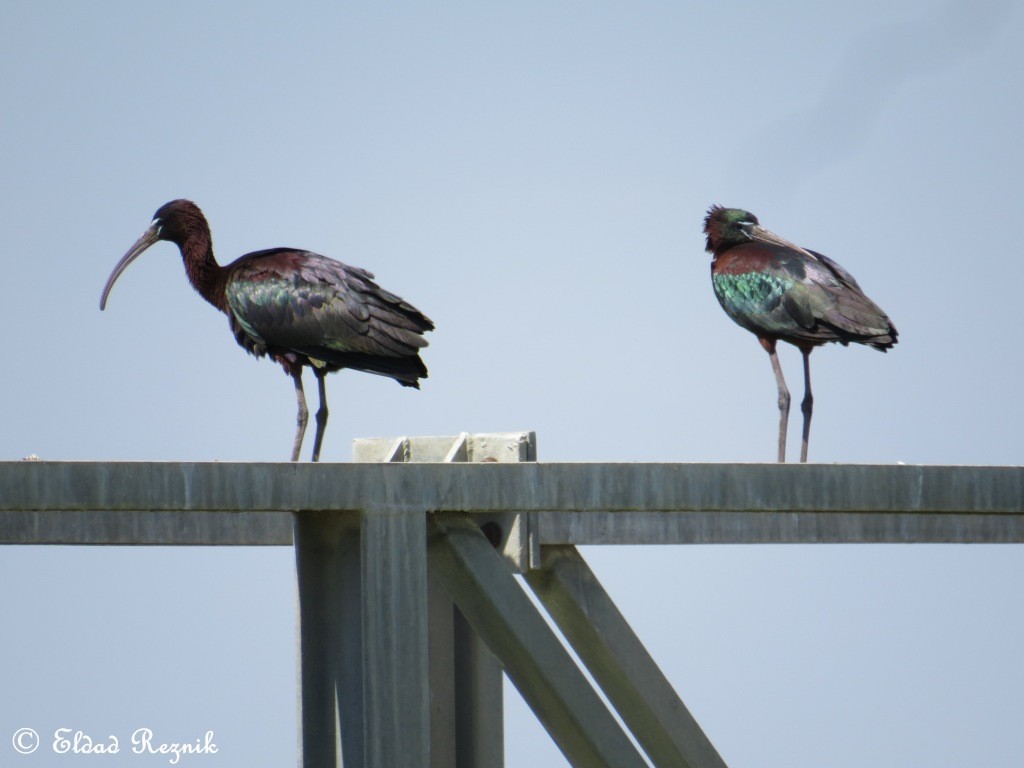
781, 292
298, 307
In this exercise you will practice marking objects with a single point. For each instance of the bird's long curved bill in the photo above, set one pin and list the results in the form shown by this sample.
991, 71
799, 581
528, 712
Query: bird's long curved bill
767, 236
149, 237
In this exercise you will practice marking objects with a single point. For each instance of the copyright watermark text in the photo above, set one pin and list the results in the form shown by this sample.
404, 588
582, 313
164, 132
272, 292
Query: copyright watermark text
142, 741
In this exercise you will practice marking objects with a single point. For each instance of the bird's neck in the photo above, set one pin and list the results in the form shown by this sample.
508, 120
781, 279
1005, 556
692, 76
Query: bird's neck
203, 271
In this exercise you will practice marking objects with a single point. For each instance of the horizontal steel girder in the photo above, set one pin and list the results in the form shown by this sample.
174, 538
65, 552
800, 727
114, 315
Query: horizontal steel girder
566, 503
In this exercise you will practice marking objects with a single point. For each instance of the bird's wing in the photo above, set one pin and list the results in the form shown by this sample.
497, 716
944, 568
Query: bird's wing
305, 302
836, 269
798, 295
836, 299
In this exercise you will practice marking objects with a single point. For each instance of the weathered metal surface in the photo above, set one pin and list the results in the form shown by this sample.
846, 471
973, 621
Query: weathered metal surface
363, 639
395, 657
467, 722
441, 639
479, 700
619, 662
779, 527
497, 487
331, 711
360, 534
466, 701
64, 502
508, 530
534, 659
147, 528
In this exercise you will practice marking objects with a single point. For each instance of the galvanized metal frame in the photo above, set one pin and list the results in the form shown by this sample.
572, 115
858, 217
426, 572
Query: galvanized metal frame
226, 503
387, 545
465, 678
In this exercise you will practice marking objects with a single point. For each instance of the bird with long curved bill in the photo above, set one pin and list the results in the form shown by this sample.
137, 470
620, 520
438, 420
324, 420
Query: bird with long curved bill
781, 292
299, 308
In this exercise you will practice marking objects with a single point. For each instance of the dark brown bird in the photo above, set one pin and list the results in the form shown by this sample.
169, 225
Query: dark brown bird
781, 292
298, 307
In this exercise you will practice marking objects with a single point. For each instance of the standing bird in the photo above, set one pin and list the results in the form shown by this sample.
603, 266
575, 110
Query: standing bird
781, 292
298, 307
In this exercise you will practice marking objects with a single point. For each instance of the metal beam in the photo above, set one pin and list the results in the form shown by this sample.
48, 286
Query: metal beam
960, 526
80, 502
619, 662
495, 487
146, 528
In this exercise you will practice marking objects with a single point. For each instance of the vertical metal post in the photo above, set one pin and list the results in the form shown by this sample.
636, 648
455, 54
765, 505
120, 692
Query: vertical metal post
327, 560
479, 699
466, 680
363, 639
441, 632
395, 669
466, 695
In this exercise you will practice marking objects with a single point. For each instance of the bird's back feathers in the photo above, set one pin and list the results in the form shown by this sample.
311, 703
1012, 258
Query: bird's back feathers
292, 301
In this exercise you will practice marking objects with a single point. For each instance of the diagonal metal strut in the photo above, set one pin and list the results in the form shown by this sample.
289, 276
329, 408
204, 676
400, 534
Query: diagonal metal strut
534, 659
619, 662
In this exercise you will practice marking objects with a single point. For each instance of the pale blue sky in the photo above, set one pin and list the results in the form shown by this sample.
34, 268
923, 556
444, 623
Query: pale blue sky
533, 176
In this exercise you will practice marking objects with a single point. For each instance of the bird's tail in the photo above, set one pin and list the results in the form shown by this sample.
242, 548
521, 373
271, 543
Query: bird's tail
406, 370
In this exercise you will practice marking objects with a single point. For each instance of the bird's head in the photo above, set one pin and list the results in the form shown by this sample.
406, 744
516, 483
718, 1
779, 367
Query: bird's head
175, 221
726, 227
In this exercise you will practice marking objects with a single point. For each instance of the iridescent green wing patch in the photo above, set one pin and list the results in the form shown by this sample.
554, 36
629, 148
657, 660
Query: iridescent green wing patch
750, 293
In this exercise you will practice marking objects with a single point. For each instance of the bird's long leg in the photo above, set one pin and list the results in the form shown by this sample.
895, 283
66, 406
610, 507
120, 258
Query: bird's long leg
303, 415
769, 345
321, 414
807, 406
